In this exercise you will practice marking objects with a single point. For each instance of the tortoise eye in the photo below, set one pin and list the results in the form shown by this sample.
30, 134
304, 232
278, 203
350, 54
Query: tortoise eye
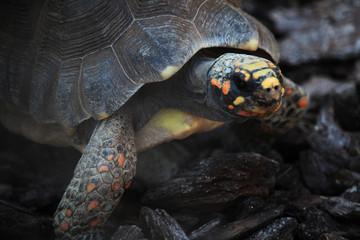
240, 83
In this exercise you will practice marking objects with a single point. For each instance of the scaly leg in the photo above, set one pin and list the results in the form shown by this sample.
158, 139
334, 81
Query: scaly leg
105, 169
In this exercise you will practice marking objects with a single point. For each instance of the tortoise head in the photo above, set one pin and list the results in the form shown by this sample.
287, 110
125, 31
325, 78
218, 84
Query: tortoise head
245, 85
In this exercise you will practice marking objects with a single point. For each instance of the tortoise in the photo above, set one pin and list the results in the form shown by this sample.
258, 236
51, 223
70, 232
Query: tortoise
112, 78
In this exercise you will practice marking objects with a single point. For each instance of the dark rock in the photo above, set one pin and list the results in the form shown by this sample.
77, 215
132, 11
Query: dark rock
128, 233
243, 227
158, 224
216, 180
342, 208
280, 229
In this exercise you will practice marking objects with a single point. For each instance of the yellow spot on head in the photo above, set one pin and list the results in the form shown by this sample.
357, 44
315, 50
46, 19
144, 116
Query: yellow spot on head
264, 72
251, 45
270, 82
282, 91
255, 65
239, 100
169, 71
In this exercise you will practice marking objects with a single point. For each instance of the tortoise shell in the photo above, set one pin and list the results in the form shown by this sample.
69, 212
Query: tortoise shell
66, 61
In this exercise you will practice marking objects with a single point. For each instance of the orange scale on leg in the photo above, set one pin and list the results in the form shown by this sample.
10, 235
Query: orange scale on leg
103, 168
116, 186
90, 187
128, 185
93, 204
121, 160
96, 222
64, 226
68, 212
303, 102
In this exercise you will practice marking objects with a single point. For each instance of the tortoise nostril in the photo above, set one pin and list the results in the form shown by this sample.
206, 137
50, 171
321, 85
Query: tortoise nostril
276, 87
268, 89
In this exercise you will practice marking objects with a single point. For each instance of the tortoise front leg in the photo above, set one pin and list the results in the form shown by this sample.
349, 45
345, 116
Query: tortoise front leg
105, 169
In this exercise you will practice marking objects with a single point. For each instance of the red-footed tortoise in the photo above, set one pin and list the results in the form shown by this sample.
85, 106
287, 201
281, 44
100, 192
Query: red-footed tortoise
92, 73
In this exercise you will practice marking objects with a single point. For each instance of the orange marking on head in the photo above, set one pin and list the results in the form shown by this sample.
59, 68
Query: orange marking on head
103, 168
90, 187
231, 107
116, 186
288, 92
216, 82
110, 157
128, 185
226, 88
121, 160
302, 102
96, 222
64, 226
245, 114
247, 75
68, 212
93, 204
271, 65
237, 70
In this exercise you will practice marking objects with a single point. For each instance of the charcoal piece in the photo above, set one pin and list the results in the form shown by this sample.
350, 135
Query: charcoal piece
20, 223
187, 220
243, 227
216, 180
316, 172
158, 224
289, 178
128, 233
280, 229
347, 106
331, 236
313, 223
352, 194
204, 230
344, 178
312, 31
342, 208
333, 151
249, 206
332, 142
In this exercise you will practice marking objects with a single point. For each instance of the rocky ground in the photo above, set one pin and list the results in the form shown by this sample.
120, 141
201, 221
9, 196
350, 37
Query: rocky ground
305, 185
